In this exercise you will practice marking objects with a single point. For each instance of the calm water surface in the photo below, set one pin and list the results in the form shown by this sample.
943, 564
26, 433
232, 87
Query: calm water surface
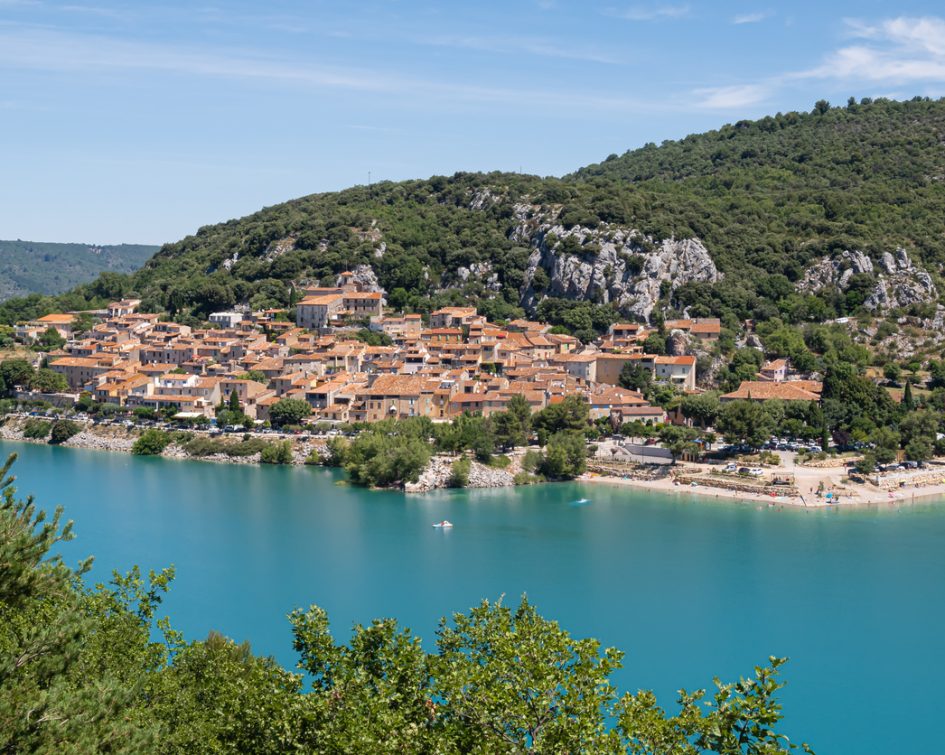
689, 587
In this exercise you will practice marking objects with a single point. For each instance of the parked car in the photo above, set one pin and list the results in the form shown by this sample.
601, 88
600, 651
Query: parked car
730, 468
756, 471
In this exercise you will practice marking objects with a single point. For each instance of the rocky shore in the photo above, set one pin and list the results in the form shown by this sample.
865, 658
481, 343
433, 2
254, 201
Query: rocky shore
120, 439
440, 469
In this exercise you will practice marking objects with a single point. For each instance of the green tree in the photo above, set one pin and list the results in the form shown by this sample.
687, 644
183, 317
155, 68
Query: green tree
635, 377
744, 422
289, 411
16, 372
919, 449
565, 456
886, 441
512, 681
36, 429
218, 697
570, 414
254, 375
48, 381
654, 344
679, 440
50, 340
62, 430
391, 452
51, 698
513, 426
234, 402
892, 372
701, 408
919, 425
908, 403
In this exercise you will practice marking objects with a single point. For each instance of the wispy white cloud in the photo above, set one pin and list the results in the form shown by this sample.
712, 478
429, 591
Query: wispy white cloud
752, 18
35, 48
899, 50
890, 55
729, 97
537, 46
651, 12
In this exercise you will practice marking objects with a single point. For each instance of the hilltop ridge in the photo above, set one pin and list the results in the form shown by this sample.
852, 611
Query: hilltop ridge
726, 223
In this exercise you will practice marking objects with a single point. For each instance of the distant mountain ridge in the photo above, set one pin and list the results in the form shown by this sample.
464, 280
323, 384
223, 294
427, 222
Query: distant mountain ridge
51, 268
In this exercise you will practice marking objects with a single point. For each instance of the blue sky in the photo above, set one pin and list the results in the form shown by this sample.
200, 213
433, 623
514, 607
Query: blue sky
141, 121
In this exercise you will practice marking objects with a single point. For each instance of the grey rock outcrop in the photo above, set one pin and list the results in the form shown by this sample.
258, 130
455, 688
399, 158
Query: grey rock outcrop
608, 264
277, 248
365, 279
898, 281
479, 271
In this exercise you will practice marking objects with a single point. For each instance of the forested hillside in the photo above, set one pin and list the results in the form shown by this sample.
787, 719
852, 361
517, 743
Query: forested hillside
44, 268
763, 201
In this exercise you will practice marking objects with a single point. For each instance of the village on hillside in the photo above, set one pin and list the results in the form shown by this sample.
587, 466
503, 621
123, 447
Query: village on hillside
351, 362
456, 362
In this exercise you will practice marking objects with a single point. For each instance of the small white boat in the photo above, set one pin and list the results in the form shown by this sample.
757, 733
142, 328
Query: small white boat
445, 524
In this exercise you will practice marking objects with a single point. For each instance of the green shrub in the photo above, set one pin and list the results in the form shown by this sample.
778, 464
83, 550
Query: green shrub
459, 474
524, 478
62, 430
336, 449
277, 453
204, 447
531, 460
500, 462
36, 429
246, 448
151, 443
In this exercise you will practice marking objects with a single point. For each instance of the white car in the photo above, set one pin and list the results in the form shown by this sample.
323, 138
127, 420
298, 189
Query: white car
730, 468
756, 472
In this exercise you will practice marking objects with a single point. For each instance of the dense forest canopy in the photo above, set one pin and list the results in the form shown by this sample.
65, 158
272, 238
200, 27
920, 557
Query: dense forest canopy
767, 197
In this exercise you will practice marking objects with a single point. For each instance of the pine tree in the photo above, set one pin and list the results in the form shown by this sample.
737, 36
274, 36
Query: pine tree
907, 401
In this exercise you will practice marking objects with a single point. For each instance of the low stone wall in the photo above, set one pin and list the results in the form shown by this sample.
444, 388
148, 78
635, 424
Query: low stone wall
934, 476
831, 463
630, 471
740, 486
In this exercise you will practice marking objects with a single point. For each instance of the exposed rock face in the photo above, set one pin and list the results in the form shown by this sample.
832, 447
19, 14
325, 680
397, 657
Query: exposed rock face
440, 469
608, 264
678, 344
899, 282
481, 271
365, 279
277, 248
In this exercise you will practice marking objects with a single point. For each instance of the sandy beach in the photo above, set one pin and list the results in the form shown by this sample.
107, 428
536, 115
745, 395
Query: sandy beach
849, 494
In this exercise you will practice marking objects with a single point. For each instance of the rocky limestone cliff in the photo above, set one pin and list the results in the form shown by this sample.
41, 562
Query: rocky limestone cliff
898, 281
608, 264
364, 278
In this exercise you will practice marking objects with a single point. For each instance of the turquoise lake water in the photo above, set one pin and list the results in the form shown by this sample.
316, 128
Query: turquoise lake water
688, 587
